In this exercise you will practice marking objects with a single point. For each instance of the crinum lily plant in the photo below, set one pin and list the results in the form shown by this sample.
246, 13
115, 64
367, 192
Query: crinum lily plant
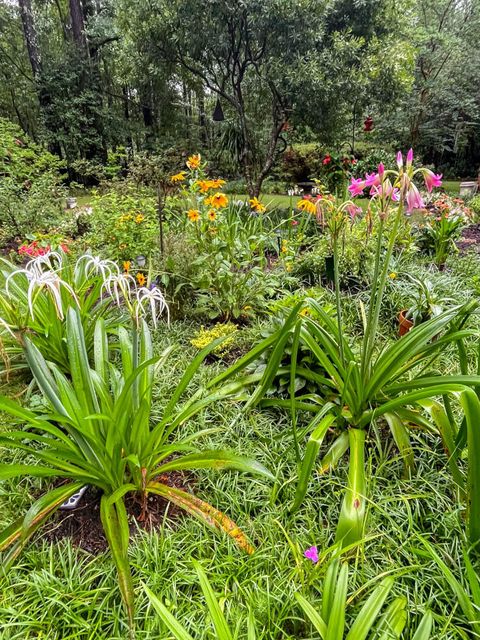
368, 380
102, 426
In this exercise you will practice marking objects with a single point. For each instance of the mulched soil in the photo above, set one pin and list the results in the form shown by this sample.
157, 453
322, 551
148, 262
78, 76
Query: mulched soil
470, 239
83, 525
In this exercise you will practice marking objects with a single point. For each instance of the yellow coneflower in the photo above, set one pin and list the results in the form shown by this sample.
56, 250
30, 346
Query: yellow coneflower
307, 205
126, 266
257, 206
217, 200
193, 215
178, 177
212, 214
141, 279
216, 183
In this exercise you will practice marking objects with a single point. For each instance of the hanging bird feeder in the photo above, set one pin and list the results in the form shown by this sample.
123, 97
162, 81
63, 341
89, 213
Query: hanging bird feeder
218, 112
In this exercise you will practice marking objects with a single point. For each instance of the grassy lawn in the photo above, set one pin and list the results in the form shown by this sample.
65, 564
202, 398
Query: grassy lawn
275, 200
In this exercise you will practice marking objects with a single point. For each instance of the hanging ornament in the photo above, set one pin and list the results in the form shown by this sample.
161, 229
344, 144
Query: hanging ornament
218, 112
368, 124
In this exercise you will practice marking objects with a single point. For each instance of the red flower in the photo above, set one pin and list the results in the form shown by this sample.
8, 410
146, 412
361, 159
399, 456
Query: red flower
294, 223
327, 159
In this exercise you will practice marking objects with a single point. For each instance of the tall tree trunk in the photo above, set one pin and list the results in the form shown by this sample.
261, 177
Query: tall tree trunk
30, 35
78, 25
202, 119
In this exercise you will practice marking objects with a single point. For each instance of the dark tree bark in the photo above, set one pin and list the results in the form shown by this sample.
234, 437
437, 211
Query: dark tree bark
78, 24
30, 35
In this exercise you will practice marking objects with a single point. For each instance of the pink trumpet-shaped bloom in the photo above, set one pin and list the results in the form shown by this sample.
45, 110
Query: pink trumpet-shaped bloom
372, 179
311, 554
414, 199
356, 187
396, 195
432, 179
381, 170
409, 157
386, 189
399, 159
353, 211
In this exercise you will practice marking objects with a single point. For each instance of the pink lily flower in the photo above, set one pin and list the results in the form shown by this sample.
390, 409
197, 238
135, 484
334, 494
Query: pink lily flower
414, 199
356, 187
372, 179
353, 211
409, 158
432, 179
399, 160
381, 170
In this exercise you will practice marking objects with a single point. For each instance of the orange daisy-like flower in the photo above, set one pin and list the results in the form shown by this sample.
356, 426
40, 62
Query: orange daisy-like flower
216, 183
193, 161
193, 215
257, 206
141, 279
217, 201
307, 205
178, 177
212, 214
203, 185
126, 266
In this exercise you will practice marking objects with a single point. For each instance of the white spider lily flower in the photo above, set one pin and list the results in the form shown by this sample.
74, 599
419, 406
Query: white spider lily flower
153, 298
52, 282
107, 268
118, 286
47, 260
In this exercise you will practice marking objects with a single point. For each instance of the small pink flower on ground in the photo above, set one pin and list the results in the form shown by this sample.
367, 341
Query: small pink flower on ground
356, 187
311, 554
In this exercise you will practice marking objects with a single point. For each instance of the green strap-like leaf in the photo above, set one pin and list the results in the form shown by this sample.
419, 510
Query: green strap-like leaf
203, 511
424, 629
115, 524
215, 460
221, 626
368, 614
311, 452
167, 618
313, 615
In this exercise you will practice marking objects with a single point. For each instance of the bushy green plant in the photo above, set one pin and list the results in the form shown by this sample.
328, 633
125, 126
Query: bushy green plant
474, 205
355, 256
123, 224
442, 223
100, 430
230, 242
31, 195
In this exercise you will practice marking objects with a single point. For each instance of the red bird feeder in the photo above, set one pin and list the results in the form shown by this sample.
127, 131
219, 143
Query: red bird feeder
368, 124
